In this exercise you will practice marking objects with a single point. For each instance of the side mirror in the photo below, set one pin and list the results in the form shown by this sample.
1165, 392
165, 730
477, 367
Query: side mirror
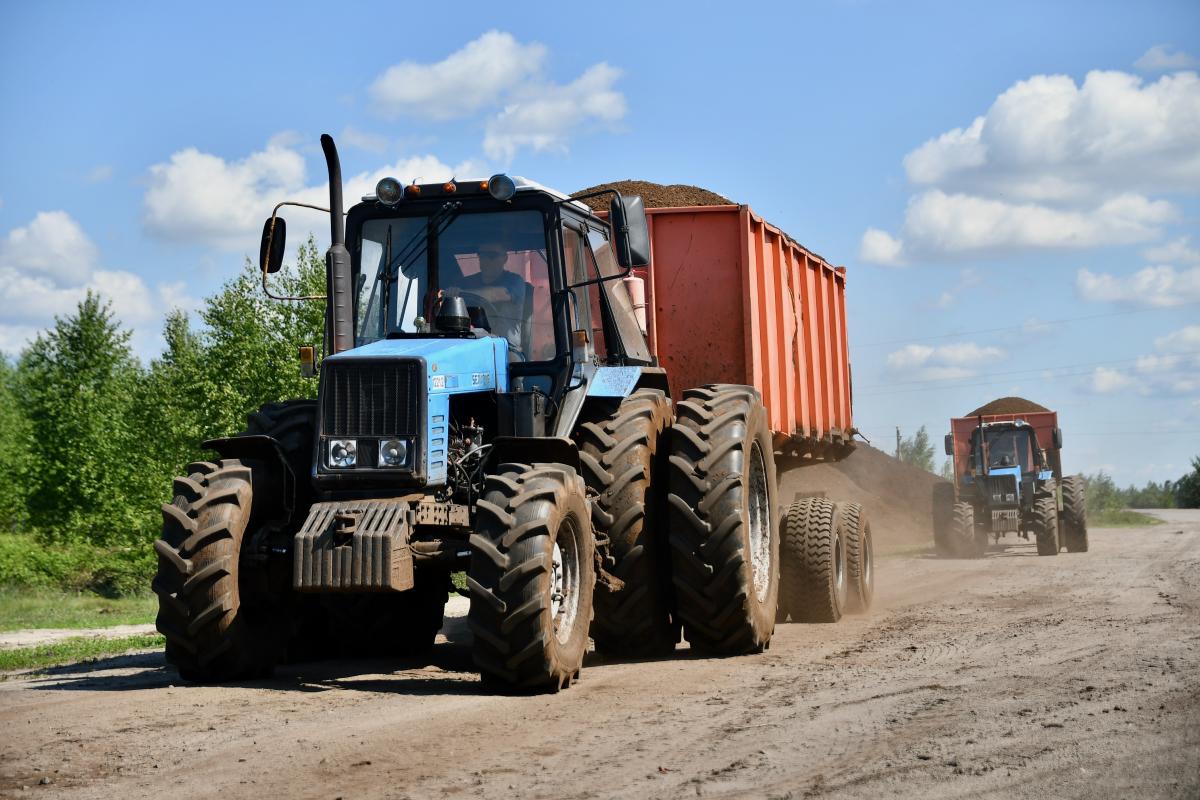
632, 234
949, 444
270, 252
1057, 437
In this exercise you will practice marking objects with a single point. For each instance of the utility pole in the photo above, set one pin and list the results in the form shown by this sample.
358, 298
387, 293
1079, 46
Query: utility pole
897, 442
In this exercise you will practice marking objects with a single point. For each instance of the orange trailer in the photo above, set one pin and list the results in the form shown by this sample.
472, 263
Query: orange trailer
1044, 424
733, 299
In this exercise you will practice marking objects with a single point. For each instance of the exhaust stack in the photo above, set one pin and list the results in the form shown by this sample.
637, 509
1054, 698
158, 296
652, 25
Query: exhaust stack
340, 308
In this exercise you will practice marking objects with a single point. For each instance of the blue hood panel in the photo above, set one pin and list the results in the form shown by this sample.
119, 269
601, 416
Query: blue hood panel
452, 366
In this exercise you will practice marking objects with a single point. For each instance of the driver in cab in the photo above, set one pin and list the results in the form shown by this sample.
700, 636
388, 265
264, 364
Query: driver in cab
505, 292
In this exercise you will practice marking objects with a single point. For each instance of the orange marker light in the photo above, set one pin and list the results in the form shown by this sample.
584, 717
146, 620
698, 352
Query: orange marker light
412, 189
450, 187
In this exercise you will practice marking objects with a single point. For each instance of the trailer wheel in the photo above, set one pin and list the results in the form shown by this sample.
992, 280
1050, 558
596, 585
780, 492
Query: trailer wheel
814, 581
618, 452
724, 531
531, 577
943, 517
1045, 525
860, 557
218, 625
1074, 516
967, 542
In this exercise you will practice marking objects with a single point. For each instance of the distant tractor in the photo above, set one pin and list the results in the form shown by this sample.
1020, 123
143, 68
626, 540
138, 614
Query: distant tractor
493, 400
1008, 479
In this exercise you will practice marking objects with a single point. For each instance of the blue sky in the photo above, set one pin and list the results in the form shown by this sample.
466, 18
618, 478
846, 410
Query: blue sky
1014, 188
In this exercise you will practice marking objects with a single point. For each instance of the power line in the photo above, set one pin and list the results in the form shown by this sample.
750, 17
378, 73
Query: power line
955, 382
1025, 326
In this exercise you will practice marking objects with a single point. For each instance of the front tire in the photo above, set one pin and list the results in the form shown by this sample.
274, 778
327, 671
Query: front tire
218, 627
1045, 525
1073, 521
723, 524
943, 517
531, 577
967, 541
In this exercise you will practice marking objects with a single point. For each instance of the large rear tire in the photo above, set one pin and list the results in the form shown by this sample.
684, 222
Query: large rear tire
943, 517
531, 577
218, 626
618, 452
1045, 525
724, 531
860, 557
813, 580
1073, 521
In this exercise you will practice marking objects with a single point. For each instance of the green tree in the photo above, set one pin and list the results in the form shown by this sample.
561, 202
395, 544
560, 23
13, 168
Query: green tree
918, 450
948, 469
77, 381
14, 451
249, 344
1187, 488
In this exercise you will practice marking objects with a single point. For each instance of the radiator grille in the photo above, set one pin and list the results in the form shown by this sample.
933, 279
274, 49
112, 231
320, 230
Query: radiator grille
371, 398
1002, 485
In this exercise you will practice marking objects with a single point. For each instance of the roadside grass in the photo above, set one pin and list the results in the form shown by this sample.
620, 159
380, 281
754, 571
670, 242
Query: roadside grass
1120, 518
23, 608
73, 651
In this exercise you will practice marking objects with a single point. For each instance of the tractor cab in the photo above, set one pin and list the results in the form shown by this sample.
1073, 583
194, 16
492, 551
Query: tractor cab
1006, 460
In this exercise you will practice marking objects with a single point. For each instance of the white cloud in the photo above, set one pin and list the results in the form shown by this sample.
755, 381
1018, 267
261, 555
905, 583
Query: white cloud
944, 362
475, 77
1177, 251
880, 247
202, 198
35, 287
1107, 381
541, 119
1184, 340
100, 173
1054, 164
52, 248
1159, 58
499, 76
1159, 287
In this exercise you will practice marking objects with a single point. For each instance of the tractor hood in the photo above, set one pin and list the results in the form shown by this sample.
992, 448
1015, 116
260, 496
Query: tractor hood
452, 366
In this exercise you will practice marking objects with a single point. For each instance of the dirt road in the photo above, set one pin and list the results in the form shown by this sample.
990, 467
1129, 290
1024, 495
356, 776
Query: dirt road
1013, 676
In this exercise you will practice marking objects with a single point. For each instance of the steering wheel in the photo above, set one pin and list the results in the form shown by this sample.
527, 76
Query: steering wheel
489, 309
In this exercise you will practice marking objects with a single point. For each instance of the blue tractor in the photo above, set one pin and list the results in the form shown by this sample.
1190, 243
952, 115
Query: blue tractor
487, 404
1008, 484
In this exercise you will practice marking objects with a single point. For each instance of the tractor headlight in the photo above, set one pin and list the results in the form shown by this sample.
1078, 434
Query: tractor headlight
389, 191
343, 453
501, 187
393, 453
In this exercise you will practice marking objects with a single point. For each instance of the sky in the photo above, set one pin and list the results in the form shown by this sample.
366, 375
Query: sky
1014, 188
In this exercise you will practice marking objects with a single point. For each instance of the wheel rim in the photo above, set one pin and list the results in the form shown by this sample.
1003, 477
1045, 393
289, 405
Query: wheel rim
760, 525
868, 561
564, 580
839, 566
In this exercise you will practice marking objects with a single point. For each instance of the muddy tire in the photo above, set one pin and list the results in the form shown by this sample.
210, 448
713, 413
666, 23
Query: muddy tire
860, 558
1045, 525
217, 626
724, 528
943, 516
531, 577
1073, 522
292, 423
814, 581
966, 540
619, 456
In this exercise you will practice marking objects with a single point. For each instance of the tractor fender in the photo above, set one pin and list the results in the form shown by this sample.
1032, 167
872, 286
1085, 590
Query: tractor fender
531, 449
274, 488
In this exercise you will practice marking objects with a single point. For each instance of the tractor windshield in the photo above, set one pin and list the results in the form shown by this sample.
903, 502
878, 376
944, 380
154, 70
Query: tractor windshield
1009, 447
495, 261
